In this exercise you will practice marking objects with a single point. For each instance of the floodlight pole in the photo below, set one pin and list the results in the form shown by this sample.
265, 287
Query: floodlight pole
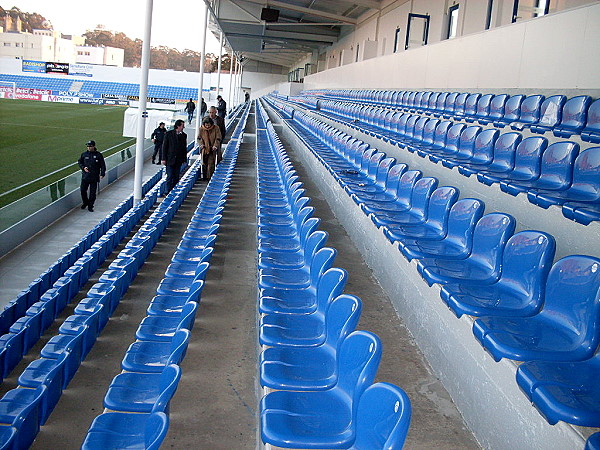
143, 100
203, 27
219, 63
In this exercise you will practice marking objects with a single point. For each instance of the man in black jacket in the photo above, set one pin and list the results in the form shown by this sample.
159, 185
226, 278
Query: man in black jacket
174, 152
93, 169
221, 106
158, 135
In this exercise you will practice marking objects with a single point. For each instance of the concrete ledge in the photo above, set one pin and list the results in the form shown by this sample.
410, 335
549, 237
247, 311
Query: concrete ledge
31, 225
484, 391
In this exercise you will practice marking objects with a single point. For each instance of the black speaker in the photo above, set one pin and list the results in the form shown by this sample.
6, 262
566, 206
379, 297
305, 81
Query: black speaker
269, 15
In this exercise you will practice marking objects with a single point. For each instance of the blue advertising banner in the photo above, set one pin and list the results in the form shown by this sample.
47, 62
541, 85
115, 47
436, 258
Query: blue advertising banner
33, 66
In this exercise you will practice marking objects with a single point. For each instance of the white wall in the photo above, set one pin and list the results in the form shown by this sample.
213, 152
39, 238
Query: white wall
555, 52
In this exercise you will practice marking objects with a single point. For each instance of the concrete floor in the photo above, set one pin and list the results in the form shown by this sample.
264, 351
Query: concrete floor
215, 406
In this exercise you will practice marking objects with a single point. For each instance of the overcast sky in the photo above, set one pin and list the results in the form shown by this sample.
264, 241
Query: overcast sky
173, 26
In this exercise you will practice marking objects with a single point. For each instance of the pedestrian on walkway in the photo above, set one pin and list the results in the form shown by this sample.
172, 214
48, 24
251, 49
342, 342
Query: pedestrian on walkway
209, 141
93, 168
158, 135
174, 152
190, 107
219, 121
221, 106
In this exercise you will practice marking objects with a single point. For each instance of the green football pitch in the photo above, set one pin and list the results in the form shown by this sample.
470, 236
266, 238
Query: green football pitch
38, 138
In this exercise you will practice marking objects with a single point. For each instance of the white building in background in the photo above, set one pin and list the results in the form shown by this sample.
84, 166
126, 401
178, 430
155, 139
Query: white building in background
50, 45
107, 56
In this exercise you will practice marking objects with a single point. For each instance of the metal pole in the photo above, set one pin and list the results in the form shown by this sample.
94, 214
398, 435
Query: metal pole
142, 113
204, 25
219, 63
229, 96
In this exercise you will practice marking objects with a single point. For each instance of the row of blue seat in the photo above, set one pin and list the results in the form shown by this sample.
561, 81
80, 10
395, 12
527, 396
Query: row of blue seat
563, 117
27, 407
322, 369
532, 310
555, 174
16, 308
137, 400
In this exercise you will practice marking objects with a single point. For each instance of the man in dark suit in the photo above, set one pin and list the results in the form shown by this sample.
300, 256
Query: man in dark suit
174, 152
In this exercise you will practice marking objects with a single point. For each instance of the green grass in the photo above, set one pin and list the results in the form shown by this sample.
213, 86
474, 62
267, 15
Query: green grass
37, 138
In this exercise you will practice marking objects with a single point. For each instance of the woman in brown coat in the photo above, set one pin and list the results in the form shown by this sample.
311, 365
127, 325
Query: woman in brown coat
209, 141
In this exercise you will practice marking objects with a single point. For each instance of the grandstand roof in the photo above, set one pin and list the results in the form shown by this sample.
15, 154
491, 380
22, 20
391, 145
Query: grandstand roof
302, 26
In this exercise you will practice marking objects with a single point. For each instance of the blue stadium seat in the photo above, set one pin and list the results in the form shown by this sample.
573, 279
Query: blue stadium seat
163, 328
555, 170
567, 391
153, 357
436, 226
503, 115
458, 241
139, 392
126, 430
519, 291
484, 104
500, 158
21, 408
566, 329
550, 114
323, 419
464, 150
529, 113
451, 144
523, 165
48, 373
574, 116
470, 107
383, 417
591, 131
70, 345
483, 265
312, 368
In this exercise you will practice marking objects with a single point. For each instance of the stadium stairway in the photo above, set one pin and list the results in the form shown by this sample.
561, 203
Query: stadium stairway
216, 401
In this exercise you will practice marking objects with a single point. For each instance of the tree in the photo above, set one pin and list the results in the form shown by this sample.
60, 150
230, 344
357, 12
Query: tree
30, 21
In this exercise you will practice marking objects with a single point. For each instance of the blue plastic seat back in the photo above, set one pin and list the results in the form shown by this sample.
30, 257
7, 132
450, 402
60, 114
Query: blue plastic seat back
331, 284
341, 318
482, 110
394, 120
440, 102
188, 315
438, 208
459, 104
450, 104
528, 158
421, 193
453, 138
483, 148
406, 186
169, 380
574, 116
410, 126
358, 361
586, 176
393, 178
466, 143
591, 131
429, 130
527, 259
383, 170
156, 430
417, 132
417, 100
410, 101
530, 109
471, 104
551, 112
369, 163
557, 165
401, 125
573, 297
497, 107
322, 261
441, 133
424, 104
505, 150
490, 237
179, 345
383, 418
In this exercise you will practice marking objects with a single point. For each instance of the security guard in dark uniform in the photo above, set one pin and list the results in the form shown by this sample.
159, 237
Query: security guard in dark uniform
93, 169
